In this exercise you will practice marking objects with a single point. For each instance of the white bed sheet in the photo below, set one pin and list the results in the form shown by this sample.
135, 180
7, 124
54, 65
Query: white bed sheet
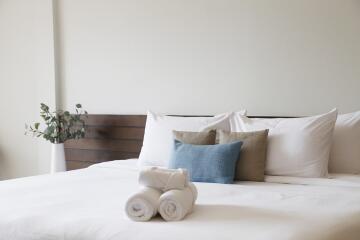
89, 204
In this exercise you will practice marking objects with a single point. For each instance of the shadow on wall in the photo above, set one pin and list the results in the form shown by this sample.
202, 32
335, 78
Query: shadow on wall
2, 164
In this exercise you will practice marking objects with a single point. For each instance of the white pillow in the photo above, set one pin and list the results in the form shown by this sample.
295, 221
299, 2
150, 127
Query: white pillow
298, 147
345, 151
158, 138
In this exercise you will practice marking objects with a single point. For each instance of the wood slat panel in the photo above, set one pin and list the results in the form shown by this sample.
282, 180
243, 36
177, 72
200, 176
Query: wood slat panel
73, 165
116, 120
96, 156
111, 132
132, 146
108, 137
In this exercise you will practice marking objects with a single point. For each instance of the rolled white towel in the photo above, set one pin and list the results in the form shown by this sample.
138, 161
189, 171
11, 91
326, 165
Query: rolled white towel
164, 179
176, 204
143, 205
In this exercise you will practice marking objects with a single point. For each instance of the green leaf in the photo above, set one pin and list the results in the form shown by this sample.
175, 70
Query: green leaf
44, 107
59, 125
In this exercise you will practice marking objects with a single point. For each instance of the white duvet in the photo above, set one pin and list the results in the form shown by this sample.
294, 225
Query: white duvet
89, 204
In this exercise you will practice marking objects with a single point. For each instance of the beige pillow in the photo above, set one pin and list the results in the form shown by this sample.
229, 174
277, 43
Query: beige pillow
197, 138
251, 163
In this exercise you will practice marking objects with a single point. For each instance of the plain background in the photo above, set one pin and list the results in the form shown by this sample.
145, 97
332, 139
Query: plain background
272, 57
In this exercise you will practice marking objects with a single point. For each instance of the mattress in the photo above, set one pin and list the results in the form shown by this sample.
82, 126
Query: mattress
89, 204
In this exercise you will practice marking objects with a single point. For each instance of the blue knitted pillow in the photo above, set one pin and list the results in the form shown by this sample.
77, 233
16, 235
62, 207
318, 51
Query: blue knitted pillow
207, 163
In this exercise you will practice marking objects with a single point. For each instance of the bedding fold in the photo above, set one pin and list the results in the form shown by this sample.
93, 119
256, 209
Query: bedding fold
164, 179
142, 206
175, 204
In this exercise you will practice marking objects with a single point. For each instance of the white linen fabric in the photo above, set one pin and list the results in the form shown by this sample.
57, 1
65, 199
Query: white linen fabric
297, 147
158, 138
345, 151
89, 203
176, 204
338, 180
164, 179
143, 205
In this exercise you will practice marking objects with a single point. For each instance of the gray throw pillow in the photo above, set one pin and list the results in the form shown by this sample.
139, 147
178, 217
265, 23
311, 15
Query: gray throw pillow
196, 138
251, 163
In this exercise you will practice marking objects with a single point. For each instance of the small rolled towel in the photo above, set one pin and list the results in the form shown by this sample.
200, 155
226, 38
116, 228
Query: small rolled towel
164, 179
176, 204
143, 205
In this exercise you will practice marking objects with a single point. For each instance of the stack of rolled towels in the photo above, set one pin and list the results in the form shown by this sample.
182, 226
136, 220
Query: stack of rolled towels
167, 191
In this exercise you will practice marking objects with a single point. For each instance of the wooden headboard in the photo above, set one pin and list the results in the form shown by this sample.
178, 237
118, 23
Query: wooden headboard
108, 137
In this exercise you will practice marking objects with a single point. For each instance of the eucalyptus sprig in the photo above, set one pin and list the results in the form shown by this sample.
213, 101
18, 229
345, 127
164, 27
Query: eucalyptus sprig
60, 125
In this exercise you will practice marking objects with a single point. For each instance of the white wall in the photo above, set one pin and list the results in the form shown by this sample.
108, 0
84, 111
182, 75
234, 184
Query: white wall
26, 79
275, 57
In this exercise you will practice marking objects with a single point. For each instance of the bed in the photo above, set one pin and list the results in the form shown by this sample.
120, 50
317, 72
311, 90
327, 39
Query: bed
88, 202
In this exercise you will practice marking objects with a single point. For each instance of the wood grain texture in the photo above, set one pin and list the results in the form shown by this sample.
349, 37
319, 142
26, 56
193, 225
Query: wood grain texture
111, 132
109, 137
96, 156
73, 165
117, 120
124, 145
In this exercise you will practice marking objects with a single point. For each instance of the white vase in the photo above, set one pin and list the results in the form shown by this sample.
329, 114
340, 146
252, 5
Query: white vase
58, 163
